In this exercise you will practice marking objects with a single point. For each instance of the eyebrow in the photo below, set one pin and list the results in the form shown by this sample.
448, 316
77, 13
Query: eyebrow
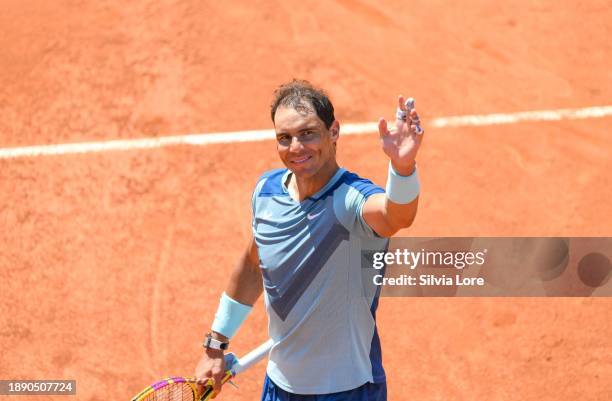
307, 128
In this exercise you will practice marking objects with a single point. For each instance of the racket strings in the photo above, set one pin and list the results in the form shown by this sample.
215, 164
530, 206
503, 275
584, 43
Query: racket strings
172, 392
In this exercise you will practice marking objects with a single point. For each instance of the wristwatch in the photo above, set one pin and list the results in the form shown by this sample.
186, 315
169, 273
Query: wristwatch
210, 342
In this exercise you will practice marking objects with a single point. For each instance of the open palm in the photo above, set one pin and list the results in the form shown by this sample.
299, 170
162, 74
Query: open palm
402, 144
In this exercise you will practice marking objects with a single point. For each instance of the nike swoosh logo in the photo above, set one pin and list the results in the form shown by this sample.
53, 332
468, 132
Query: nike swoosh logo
314, 216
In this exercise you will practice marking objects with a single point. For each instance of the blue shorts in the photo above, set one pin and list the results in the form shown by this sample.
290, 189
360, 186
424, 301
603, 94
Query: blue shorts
366, 392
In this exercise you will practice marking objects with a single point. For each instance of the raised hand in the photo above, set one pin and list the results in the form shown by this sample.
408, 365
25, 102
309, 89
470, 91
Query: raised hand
402, 144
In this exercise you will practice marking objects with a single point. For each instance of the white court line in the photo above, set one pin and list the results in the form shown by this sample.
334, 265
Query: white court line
262, 135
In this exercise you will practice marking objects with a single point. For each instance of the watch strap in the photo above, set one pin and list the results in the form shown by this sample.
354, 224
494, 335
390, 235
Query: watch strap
210, 342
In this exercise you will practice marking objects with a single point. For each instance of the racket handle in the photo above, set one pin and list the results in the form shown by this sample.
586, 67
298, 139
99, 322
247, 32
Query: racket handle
230, 360
252, 358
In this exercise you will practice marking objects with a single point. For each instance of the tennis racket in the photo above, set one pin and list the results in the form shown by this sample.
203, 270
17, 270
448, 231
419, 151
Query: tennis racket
190, 388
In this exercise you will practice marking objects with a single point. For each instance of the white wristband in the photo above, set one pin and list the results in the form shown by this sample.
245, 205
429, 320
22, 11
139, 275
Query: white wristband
230, 316
402, 189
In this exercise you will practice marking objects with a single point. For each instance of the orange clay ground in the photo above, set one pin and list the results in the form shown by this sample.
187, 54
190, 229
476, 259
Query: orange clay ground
112, 263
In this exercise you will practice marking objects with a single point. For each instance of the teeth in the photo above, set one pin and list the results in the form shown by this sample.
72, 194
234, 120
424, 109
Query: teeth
301, 160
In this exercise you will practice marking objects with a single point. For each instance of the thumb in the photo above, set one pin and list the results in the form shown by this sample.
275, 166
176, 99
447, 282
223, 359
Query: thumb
382, 128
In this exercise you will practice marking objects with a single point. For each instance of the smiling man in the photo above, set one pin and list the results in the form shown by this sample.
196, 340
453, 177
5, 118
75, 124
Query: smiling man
310, 222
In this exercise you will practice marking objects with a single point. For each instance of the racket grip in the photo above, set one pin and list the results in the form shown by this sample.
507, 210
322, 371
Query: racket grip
230, 360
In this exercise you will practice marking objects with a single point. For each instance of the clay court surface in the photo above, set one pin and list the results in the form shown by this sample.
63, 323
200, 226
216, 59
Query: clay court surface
112, 262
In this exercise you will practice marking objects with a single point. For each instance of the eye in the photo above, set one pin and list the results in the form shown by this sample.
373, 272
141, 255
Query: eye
308, 135
283, 139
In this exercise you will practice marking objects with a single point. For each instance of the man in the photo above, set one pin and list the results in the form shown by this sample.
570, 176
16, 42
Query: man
310, 223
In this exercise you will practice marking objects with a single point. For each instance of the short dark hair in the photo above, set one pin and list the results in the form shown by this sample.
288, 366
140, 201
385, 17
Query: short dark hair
302, 96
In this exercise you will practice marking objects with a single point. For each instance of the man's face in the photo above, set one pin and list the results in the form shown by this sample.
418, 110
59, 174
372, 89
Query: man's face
304, 144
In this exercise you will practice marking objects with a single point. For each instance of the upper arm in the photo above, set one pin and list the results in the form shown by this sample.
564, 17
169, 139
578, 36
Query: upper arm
252, 255
245, 284
349, 202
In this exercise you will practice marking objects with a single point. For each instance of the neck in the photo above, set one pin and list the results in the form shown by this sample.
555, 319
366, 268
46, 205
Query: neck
301, 188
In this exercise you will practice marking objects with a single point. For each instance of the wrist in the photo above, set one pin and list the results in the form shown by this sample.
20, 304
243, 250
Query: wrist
402, 189
230, 316
404, 170
219, 336
214, 353
212, 343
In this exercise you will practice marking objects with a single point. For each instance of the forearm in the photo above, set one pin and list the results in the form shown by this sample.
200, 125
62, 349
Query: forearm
400, 216
388, 213
244, 287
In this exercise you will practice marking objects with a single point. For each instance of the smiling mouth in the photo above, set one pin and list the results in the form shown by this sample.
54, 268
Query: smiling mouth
301, 160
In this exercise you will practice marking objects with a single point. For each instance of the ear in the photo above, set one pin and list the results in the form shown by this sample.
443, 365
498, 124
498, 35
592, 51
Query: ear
334, 131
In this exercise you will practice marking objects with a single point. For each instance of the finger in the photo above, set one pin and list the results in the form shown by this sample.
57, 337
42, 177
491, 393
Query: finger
409, 104
414, 117
218, 382
382, 128
400, 112
401, 102
415, 123
416, 131
202, 383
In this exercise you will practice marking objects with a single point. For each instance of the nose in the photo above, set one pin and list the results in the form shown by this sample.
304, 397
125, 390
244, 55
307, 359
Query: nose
295, 145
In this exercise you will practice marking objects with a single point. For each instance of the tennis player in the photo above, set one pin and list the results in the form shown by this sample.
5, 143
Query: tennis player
310, 222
